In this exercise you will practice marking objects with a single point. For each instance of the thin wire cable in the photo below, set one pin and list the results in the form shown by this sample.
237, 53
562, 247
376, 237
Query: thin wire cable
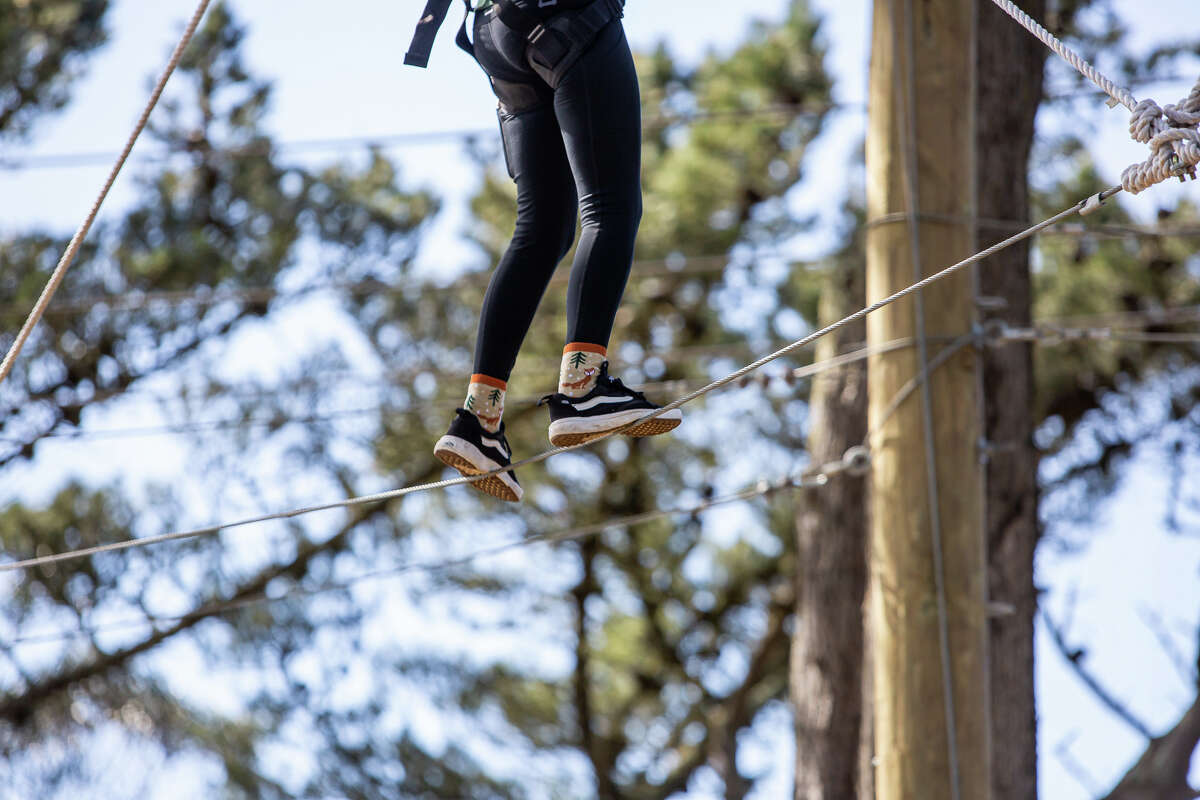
644, 270
908, 133
760, 488
1051, 330
916, 382
69, 255
1075, 230
419, 138
1052, 335
414, 138
711, 387
797, 373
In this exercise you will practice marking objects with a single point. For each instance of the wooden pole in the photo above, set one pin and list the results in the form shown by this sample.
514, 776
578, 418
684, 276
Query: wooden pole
915, 707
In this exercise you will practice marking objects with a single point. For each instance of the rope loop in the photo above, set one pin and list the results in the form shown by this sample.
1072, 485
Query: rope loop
1145, 121
1173, 134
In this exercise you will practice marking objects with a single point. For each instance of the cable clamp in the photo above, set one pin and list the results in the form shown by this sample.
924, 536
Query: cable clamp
991, 303
1002, 331
996, 609
857, 461
1092, 204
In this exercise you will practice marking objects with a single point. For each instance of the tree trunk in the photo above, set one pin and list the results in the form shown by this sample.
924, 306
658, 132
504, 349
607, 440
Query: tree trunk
831, 534
1009, 64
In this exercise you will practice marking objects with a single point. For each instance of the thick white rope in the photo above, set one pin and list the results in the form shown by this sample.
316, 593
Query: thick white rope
1117, 93
68, 256
1172, 133
728, 379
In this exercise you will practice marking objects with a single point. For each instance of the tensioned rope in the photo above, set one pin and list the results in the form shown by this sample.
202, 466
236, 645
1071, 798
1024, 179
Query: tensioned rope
459, 481
1172, 132
853, 463
68, 255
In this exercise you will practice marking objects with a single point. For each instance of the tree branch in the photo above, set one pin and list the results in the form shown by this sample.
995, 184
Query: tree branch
19, 708
1162, 771
1074, 657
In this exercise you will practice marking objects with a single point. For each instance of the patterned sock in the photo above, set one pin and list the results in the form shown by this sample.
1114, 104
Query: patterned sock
580, 368
485, 399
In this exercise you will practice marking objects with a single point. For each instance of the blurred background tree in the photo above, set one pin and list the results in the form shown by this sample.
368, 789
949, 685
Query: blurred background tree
636, 663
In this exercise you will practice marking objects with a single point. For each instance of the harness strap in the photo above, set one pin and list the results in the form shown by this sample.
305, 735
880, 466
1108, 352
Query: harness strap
555, 45
552, 48
427, 29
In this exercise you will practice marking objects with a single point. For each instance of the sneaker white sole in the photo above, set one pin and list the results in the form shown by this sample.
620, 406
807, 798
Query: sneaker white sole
567, 432
469, 460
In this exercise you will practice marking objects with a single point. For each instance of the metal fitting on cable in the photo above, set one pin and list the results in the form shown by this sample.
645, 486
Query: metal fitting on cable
996, 609
1092, 204
991, 303
1001, 331
857, 461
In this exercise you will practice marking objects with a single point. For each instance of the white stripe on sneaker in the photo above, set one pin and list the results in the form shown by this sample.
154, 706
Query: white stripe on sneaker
496, 444
599, 401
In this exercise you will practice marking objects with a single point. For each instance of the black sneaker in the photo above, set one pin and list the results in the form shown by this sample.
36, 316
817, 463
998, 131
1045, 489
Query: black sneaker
473, 451
606, 407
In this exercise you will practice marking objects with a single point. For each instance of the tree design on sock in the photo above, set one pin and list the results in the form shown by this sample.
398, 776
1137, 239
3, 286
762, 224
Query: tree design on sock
471, 403
494, 396
578, 358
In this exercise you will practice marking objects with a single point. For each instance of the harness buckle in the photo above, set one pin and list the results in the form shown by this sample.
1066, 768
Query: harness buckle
548, 45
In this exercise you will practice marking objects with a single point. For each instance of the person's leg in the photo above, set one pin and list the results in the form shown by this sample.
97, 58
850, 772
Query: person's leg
546, 210
598, 107
599, 111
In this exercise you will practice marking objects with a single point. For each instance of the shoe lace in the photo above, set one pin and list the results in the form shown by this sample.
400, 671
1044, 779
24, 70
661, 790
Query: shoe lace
616, 382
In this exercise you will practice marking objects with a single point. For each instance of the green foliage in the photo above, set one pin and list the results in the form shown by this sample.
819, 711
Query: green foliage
217, 238
42, 45
1097, 398
635, 658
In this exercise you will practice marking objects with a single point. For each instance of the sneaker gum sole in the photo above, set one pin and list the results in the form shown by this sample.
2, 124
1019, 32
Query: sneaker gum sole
652, 427
492, 485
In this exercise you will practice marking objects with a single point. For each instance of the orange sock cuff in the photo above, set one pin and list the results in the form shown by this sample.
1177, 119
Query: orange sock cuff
585, 347
487, 380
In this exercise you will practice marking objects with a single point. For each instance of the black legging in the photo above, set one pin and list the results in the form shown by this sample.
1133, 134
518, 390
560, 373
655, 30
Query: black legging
574, 148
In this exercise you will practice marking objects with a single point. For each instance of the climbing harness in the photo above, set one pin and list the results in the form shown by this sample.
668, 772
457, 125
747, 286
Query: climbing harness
557, 33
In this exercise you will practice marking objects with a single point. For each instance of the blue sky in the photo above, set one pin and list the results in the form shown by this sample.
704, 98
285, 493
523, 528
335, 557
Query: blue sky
340, 74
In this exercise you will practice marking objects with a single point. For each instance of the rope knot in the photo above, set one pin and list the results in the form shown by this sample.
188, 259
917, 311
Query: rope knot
1173, 134
1146, 121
